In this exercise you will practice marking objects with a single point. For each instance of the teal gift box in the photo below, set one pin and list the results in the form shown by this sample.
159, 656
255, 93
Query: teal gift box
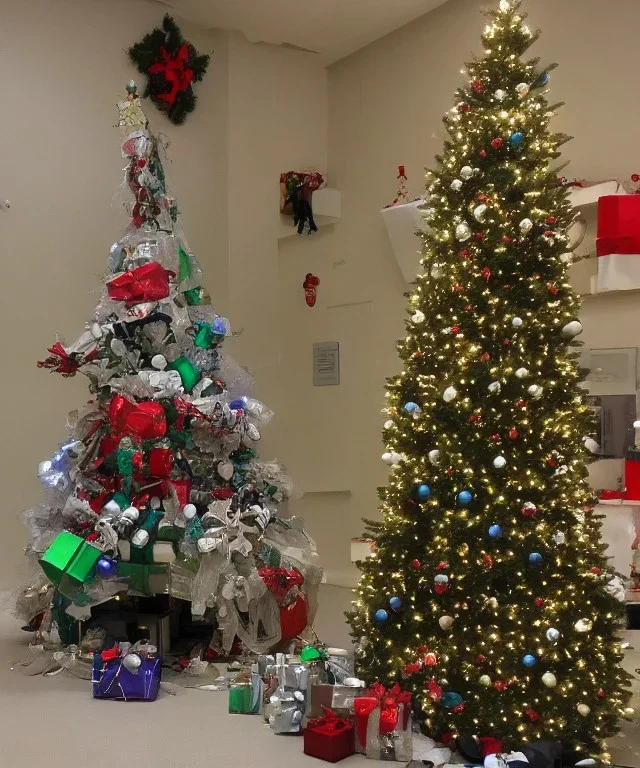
245, 695
69, 563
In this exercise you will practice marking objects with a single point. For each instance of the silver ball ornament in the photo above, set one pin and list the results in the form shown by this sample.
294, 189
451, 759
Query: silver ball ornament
132, 662
466, 172
499, 462
449, 394
463, 232
516, 322
456, 185
526, 225
549, 679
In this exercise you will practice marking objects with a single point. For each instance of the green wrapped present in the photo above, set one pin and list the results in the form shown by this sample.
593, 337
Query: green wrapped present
189, 374
138, 575
244, 699
69, 563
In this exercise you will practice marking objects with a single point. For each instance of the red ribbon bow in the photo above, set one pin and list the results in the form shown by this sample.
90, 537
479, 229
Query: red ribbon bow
389, 702
280, 580
329, 723
174, 68
63, 362
146, 420
150, 282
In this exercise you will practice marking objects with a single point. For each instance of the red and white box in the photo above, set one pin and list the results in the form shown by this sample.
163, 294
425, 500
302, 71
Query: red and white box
618, 242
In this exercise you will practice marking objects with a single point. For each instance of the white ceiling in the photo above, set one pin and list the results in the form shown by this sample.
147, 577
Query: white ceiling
332, 28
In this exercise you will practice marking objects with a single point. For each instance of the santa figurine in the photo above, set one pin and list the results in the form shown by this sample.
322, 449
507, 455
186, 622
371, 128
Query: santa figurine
311, 282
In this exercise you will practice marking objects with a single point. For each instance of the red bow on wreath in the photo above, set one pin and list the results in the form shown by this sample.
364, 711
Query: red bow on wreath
174, 68
64, 362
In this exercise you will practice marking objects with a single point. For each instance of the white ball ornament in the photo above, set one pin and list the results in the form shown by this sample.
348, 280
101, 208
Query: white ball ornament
559, 538
387, 458
552, 634
499, 462
494, 387
479, 212
535, 391
434, 456
159, 362
436, 272
526, 225
456, 185
484, 680
189, 511
449, 394
522, 373
388, 424
466, 172
572, 329
492, 602
549, 679
516, 322
566, 258
445, 622
463, 232
500, 94
522, 89
418, 316
583, 709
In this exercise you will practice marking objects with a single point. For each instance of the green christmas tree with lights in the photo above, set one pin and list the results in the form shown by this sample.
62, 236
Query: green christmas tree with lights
486, 594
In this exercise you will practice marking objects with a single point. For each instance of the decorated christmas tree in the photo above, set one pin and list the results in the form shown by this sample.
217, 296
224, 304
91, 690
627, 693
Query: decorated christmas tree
486, 593
158, 488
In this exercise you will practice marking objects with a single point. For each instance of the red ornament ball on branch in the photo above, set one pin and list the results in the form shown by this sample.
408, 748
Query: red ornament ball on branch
415, 564
497, 143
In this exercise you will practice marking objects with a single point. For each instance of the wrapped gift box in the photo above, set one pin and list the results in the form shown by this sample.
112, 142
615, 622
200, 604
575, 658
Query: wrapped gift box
69, 563
246, 692
329, 738
618, 225
338, 698
113, 680
383, 723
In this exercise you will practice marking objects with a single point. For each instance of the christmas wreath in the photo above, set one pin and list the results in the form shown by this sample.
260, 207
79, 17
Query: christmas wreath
172, 65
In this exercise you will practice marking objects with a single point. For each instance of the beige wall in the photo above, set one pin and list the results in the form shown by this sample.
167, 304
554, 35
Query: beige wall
63, 69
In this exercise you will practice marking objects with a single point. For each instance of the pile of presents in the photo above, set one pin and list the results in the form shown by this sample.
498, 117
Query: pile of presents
316, 694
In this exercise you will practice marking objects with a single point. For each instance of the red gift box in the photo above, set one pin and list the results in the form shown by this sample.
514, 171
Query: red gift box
329, 737
146, 420
618, 225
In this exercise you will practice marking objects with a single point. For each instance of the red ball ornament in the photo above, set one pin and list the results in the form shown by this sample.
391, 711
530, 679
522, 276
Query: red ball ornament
481, 198
485, 356
415, 564
455, 330
551, 220
142, 162
521, 403
411, 669
635, 178
468, 308
464, 107
480, 659
477, 86
464, 254
596, 571
422, 649
600, 693
506, 342
495, 438
539, 602
533, 716
500, 686
449, 471
431, 659
483, 153
549, 233
513, 434
488, 561
479, 235
553, 289
474, 417
442, 566
458, 709
486, 273
497, 143
506, 239
440, 588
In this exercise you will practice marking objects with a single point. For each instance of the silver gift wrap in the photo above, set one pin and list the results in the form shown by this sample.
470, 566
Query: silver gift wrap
397, 745
338, 698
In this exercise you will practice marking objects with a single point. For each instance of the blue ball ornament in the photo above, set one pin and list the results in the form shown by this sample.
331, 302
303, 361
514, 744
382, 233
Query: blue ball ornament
495, 531
529, 660
106, 567
516, 138
381, 616
535, 558
395, 603
544, 78
411, 407
423, 491
451, 699
238, 403
465, 497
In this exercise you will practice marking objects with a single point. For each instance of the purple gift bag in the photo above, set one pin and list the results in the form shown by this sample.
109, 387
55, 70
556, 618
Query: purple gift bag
113, 680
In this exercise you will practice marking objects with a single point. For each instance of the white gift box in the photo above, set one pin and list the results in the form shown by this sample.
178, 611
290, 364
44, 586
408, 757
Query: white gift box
618, 272
402, 223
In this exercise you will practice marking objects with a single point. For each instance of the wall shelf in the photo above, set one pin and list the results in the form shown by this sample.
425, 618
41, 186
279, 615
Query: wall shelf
327, 210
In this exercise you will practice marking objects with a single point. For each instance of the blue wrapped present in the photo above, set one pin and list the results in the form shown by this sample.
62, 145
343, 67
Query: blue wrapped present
131, 676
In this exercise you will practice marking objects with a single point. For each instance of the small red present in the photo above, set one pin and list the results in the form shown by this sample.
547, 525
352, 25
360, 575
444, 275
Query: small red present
329, 737
150, 282
618, 225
